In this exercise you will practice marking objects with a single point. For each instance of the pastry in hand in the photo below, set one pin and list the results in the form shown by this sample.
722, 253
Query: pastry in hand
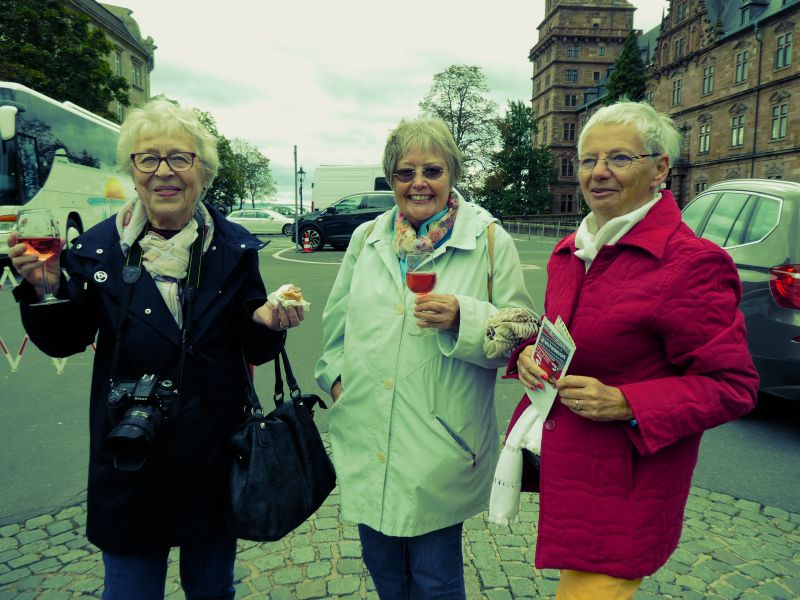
288, 295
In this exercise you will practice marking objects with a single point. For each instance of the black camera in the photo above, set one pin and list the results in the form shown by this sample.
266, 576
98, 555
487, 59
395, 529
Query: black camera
138, 408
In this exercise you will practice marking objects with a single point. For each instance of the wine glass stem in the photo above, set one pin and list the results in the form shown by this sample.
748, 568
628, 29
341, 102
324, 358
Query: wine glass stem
48, 292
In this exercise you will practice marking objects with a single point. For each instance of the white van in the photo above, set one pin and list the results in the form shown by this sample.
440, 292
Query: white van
332, 182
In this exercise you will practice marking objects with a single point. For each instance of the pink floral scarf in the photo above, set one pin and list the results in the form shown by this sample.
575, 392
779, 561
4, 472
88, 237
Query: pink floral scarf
406, 240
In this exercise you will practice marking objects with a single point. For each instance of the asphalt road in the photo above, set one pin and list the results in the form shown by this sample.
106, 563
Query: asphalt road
44, 403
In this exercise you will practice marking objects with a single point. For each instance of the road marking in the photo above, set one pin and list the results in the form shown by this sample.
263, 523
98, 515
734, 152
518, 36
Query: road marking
308, 262
530, 267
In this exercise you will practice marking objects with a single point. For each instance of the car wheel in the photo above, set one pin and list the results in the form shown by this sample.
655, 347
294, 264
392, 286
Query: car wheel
314, 238
71, 231
287, 229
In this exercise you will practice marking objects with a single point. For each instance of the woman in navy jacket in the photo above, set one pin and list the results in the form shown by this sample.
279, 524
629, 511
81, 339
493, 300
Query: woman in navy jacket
136, 512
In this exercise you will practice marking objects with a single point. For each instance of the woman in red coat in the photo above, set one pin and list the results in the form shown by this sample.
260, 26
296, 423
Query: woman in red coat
661, 357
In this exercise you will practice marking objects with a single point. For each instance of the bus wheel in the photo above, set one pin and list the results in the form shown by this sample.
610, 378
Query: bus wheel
72, 231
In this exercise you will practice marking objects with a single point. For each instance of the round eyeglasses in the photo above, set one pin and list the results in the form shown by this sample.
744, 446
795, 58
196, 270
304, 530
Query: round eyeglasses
406, 175
147, 162
615, 163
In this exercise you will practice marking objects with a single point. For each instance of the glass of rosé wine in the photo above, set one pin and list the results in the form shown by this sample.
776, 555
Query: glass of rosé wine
37, 229
421, 279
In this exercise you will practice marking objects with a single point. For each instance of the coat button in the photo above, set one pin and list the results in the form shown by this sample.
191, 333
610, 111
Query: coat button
242, 246
549, 424
147, 311
99, 251
213, 247
79, 246
381, 457
388, 383
399, 309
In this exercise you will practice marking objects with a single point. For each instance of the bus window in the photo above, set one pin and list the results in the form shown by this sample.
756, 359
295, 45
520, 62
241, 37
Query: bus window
29, 180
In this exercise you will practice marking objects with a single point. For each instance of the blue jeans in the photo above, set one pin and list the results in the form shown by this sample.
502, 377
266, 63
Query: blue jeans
420, 567
206, 571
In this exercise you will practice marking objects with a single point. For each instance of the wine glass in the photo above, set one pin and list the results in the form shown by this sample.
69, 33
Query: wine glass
37, 229
421, 279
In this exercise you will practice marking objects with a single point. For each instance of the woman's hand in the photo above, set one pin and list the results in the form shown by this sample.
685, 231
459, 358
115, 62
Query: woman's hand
336, 390
29, 267
591, 398
438, 311
530, 374
278, 318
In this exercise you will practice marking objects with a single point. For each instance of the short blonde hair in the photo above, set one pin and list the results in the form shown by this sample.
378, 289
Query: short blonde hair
161, 117
657, 131
425, 133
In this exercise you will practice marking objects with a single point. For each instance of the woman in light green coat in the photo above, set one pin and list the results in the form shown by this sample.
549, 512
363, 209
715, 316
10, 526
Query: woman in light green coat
413, 426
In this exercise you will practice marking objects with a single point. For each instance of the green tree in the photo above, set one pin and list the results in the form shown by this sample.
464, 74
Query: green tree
520, 175
458, 96
51, 48
228, 187
255, 170
628, 79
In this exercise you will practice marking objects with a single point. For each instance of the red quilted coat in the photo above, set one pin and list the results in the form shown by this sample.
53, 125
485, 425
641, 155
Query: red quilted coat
657, 316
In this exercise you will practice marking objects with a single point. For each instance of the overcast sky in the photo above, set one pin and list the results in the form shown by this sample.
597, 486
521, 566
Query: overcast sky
334, 77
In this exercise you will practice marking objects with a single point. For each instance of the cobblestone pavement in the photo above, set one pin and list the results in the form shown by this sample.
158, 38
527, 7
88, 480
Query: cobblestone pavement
730, 548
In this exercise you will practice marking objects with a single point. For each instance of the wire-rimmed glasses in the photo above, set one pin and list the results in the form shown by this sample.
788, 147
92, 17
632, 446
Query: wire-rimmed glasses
615, 163
148, 162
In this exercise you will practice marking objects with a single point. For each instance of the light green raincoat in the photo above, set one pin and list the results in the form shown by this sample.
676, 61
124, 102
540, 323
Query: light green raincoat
414, 433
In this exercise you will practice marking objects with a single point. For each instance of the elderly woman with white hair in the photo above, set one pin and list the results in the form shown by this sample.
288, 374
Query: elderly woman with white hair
171, 293
413, 428
661, 357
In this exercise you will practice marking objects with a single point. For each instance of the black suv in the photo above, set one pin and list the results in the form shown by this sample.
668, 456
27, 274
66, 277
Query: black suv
335, 225
757, 222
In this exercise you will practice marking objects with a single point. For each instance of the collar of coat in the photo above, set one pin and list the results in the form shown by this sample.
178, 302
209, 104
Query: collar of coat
471, 222
651, 234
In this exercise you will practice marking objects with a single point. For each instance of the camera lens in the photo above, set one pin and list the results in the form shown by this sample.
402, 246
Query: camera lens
131, 439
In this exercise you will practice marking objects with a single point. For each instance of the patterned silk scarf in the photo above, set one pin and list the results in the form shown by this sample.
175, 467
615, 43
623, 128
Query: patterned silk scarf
406, 240
167, 260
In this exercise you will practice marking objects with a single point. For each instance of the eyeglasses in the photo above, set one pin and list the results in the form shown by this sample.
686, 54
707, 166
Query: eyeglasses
147, 162
618, 162
406, 175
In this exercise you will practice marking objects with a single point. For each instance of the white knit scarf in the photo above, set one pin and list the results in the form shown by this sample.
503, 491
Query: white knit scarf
167, 260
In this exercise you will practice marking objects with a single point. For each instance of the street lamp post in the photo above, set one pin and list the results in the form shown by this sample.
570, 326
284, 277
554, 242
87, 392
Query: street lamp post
301, 175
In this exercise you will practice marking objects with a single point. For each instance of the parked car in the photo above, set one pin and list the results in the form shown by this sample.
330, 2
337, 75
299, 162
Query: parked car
335, 224
261, 221
757, 221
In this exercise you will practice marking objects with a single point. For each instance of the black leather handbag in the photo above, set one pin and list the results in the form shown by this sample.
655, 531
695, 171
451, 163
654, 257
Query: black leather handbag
281, 472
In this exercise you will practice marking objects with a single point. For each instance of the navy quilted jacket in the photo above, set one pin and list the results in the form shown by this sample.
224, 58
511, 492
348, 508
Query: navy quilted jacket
657, 316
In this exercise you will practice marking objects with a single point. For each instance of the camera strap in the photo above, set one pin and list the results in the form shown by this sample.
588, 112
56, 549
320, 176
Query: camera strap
131, 273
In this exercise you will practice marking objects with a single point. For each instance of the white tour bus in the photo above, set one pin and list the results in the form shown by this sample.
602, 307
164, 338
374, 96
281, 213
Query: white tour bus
60, 156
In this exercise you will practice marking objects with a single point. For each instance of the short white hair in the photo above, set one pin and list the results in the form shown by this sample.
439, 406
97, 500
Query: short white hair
657, 130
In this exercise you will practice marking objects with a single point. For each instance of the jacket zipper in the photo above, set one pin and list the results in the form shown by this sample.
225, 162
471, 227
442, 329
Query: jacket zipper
459, 440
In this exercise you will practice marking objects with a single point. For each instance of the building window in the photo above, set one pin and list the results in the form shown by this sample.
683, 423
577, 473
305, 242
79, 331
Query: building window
680, 47
648, 96
544, 134
601, 51
682, 10
137, 74
567, 170
780, 114
546, 104
705, 138
745, 15
566, 203
570, 100
569, 132
573, 51
572, 74
547, 79
596, 76
741, 67
118, 62
700, 186
708, 80
538, 86
737, 130
783, 50
676, 91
